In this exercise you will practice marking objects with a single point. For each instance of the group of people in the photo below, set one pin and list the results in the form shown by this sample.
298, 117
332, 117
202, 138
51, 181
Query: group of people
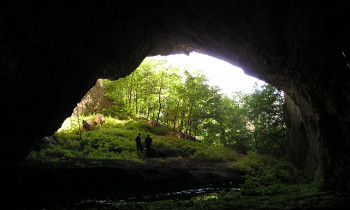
148, 142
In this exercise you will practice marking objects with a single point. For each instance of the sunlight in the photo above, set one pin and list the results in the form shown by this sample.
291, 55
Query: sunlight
220, 73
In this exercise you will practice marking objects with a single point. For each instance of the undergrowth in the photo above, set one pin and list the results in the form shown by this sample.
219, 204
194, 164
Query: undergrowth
264, 177
325, 200
115, 139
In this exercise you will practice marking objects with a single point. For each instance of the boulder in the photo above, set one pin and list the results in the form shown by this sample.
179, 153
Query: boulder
99, 119
93, 124
153, 124
89, 125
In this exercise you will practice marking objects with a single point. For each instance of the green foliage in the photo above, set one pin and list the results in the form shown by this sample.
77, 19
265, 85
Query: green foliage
265, 176
255, 164
138, 126
269, 184
264, 110
234, 200
116, 140
115, 111
184, 102
173, 147
113, 140
250, 164
159, 130
266, 184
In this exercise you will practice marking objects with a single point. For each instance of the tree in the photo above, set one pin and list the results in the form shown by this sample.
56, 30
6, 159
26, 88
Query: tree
156, 90
264, 109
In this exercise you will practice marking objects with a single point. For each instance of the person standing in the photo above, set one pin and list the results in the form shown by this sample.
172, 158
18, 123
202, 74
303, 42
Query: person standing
138, 143
148, 142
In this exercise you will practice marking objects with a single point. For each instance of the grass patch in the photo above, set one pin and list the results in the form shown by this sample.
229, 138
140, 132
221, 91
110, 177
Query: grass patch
115, 139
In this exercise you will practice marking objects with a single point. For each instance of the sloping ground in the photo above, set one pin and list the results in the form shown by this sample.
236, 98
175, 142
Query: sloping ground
39, 185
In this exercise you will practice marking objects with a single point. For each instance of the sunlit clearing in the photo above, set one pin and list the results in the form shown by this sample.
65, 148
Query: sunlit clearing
220, 73
71, 124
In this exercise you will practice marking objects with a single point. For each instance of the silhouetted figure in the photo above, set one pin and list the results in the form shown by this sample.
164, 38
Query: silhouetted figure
138, 143
148, 142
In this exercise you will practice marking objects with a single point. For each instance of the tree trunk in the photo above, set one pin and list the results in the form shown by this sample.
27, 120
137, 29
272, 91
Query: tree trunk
175, 115
182, 120
195, 128
167, 114
190, 130
136, 94
160, 103
188, 127
149, 107
154, 112
130, 91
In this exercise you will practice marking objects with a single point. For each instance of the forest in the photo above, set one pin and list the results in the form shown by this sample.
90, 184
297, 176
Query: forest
194, 127
181, 99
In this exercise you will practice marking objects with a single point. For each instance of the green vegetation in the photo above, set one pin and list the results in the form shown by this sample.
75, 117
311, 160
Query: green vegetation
237, 201
272, 177
184, 102
246, 131
116, 140
268, 185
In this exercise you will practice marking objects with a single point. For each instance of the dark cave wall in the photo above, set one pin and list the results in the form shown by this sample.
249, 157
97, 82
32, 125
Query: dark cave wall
52, 53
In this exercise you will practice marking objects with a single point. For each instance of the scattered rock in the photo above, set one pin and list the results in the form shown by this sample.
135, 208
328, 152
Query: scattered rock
47, 140
89, 125
176, 134
153, 124
99, 119
93, 124
43, 143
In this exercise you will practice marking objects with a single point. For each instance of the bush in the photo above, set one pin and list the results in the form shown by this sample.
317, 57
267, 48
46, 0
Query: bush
267, 177
250, 164
159, 130
263, 185
115, 111
140, 126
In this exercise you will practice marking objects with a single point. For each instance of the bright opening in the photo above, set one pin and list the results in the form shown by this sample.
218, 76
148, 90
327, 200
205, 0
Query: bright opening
220, 73
189, 113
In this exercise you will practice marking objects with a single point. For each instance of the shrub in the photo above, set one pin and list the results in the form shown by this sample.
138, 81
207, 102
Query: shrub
250, 164
214, 153
159, 130
263, 185
140, 126
115, 111
267, 177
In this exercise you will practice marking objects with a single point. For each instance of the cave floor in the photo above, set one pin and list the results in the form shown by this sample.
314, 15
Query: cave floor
42, 184
156, 183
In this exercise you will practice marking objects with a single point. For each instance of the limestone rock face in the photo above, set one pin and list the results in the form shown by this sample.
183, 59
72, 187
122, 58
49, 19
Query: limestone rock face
299, 150
93, 101
52, 54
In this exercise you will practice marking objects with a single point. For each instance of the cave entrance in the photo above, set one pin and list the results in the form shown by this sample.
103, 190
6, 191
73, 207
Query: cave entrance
198, 133
299, 46
172, 96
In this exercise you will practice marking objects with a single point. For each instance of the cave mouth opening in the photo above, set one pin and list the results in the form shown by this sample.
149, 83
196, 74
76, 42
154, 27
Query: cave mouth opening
282, 43
184, 161
170, 93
